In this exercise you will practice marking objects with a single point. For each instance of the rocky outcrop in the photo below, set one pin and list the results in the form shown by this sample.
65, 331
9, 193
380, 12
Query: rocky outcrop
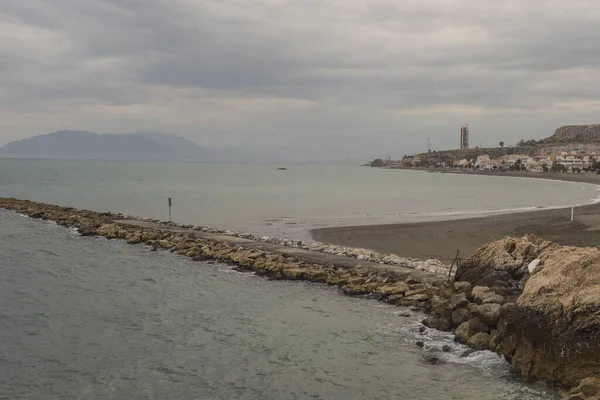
553, 333
503, 262
575, 134
536, 303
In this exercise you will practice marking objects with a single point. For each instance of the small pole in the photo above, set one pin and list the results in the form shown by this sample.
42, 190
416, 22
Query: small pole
572, 213
169, 209
456, 261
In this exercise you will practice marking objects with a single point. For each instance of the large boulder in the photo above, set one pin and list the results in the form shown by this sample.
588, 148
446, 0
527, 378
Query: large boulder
505, 260
553, 332
468, 329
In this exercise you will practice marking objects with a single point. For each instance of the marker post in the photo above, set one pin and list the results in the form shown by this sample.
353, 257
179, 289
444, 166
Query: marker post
169, 209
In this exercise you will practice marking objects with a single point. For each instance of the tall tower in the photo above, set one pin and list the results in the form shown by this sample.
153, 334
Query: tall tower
464, 137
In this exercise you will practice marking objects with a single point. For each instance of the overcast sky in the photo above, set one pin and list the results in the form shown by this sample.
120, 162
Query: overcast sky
359, 75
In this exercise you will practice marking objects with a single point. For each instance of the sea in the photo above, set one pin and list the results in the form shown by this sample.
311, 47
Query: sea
90, 318
263, 200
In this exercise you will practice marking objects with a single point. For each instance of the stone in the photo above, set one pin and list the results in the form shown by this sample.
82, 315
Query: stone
462, 287
458, 301
508, 309
439, 322
506, 260
354, 290
478, 292
433, 359
495, 340
393, 290
293, 273
460, 316
315, 275
441, 307
414, 300
446, 291
414, 292
489, 313
394, 299
485, 295
420, 344
470, 328
588, 386
479, 341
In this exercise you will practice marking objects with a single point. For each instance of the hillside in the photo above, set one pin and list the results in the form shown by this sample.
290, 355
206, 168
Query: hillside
574, 134
86, 145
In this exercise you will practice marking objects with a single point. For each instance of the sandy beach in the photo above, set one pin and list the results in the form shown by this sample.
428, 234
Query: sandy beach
441, 239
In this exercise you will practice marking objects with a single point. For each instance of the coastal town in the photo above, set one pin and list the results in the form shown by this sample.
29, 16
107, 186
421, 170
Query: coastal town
573, 149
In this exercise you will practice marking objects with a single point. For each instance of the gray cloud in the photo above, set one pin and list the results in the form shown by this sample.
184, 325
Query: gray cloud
362, 76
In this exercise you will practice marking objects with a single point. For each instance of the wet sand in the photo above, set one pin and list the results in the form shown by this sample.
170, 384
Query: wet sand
441, 239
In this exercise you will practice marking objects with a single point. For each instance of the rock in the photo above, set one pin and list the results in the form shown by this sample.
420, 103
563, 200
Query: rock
393, 290
469, 329
439, 322
495, 340
460, 315
413, 292
394, 299
479, 341
433, 359
354, 290
577, 396
446, 348
506, 260
484, 295
507, 309
293, 273
588, 386
478, 292
462, 287
458, 301
414, 300
420, 344
552, 333
441, 307
489, 313
134, 239
446, 291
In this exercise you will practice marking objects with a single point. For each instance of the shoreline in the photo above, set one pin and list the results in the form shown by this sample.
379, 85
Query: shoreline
478, 316
441, 239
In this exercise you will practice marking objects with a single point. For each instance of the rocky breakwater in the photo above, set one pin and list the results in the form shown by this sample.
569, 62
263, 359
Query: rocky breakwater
394, 285
534, 302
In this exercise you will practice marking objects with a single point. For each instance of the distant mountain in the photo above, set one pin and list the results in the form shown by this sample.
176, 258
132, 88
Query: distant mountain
574, 134
86, 145
154, 146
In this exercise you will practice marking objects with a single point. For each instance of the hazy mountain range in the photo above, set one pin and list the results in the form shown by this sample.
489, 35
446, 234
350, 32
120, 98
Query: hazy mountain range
154, 146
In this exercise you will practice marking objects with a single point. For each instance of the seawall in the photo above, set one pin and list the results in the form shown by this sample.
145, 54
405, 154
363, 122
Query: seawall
389, 283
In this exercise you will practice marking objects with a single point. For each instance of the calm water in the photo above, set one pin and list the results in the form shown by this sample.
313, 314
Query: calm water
88, 318
262, 200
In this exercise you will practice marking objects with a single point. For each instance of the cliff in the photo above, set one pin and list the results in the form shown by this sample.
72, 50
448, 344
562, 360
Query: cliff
575, 134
